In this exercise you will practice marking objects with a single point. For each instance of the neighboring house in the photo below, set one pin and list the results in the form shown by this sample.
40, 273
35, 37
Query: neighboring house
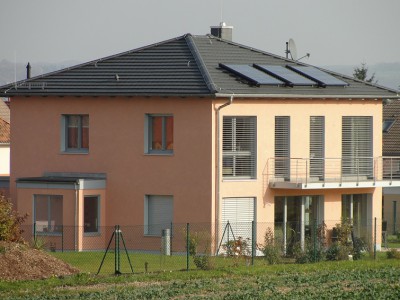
391, 147
4, 147
196, 129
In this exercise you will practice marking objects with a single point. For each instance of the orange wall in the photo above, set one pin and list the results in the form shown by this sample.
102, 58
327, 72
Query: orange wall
300, 112
117, 149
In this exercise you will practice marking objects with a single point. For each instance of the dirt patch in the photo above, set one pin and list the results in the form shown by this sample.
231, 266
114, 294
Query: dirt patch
20, 262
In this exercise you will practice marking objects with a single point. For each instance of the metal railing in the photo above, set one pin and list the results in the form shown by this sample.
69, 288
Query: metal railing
325, 170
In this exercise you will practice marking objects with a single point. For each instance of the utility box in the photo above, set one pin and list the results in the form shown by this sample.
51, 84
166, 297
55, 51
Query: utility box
166, 241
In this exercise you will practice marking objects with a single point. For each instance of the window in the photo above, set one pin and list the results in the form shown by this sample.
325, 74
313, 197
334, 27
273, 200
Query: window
158, 214
387, 124
75, 133
357, 160
159, 134
91, 211
282, 147
48, 213
356, 209
317, 146
239, 147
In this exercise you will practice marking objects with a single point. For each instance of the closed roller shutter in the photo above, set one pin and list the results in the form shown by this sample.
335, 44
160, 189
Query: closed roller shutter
159, 214
240, 214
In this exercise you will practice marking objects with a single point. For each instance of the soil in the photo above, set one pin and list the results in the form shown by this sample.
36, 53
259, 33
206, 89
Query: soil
20, 262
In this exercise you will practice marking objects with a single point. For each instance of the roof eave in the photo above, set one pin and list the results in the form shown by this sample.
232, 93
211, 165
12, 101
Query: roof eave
310, 96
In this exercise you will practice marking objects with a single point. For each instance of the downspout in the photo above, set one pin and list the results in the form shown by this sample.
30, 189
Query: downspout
76, 185
218, 176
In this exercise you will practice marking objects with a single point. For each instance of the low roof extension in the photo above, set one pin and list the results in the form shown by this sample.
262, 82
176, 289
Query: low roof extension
184, 66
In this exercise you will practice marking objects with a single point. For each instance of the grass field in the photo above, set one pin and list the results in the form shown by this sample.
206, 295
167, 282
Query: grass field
365, 279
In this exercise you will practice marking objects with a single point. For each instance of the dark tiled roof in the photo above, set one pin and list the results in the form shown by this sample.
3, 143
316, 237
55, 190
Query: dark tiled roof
184, 66
391, 139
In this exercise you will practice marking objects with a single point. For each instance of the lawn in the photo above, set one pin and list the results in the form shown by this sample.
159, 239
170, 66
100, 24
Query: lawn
365, 279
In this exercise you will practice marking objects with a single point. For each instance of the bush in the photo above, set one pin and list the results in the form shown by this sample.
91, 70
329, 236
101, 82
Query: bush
202, 261
337, 251
10, 222
272, 253
393, 253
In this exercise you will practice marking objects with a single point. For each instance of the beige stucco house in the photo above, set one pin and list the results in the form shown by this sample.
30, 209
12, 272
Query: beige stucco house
196, 129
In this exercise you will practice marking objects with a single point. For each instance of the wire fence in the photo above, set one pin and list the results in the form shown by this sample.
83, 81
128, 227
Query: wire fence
131, 249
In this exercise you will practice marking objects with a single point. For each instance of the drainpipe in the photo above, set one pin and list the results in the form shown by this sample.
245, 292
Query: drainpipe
76, 185
218, 176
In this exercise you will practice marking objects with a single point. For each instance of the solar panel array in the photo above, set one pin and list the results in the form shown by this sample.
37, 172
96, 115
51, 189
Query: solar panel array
319, 76
291, 75
252, 74
286, 75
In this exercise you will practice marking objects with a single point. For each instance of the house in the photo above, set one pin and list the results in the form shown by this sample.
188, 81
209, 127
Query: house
4, 147
391, 147
196, 129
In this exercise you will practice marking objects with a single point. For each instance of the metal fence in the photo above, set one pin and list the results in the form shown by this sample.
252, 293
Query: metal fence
126, 249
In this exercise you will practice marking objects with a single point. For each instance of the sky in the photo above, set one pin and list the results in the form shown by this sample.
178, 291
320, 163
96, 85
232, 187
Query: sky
334, 32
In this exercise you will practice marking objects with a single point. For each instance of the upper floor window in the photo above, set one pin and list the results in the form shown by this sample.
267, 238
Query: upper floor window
75, 133
239, 147
159, 134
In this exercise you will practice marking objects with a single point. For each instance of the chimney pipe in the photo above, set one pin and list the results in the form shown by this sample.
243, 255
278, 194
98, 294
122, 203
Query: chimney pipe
28, 71
222, 31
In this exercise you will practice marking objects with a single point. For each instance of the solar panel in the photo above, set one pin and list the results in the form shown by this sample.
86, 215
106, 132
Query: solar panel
252, 74
286, 75
317, 75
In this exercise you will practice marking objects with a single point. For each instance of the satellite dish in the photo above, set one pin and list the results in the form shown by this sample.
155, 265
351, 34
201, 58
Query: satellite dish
292, 49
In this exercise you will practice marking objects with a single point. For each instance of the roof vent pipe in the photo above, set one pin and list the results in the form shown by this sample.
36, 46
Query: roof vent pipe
28, 71
222, 31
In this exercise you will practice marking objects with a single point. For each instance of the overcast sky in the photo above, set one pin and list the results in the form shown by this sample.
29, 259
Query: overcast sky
335, 32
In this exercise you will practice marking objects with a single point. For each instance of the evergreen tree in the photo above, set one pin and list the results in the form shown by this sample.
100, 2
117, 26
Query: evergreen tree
361, 73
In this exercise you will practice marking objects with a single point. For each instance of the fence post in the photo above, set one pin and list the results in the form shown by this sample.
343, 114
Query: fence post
315, 240
375, 238
62, 238
34, 232
187, 246
253, 241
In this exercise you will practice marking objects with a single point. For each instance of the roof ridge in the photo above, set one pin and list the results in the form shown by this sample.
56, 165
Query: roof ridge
200, 63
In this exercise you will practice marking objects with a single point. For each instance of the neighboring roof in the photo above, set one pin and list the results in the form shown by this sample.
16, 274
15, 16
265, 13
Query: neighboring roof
391, 139
4, 111
184, 66
4, 132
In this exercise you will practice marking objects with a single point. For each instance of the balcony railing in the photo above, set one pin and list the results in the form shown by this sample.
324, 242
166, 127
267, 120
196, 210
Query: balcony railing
333, 170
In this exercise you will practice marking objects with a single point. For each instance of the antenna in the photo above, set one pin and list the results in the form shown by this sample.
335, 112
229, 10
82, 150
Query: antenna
292, 50
221, 7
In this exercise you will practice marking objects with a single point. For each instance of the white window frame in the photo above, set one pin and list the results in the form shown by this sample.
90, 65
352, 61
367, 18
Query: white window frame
64, 134
231, 141
148, 138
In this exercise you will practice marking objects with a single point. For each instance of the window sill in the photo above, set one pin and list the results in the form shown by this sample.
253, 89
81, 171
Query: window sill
48, 233
74, 152
159, 154
239, 179
90, 234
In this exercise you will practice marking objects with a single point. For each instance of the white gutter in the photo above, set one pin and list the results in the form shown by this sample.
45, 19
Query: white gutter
218, 166
302, 96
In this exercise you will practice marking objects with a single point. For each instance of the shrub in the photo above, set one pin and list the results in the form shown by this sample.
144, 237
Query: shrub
10, 222
393, 253
272, 253
202, 261
337, 251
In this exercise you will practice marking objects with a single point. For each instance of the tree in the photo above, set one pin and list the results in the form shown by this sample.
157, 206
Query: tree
10, 222
361, 73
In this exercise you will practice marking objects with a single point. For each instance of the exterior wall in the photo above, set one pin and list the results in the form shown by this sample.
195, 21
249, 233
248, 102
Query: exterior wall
393, 225
300, 112
116, 139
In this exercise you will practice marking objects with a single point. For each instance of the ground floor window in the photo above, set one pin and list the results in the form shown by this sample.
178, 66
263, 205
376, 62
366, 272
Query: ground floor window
91, 211
296, 217
158, 214
355, 208
237, 215
48, 213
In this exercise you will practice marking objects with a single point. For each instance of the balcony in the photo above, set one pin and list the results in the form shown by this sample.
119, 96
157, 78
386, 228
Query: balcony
325, 173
